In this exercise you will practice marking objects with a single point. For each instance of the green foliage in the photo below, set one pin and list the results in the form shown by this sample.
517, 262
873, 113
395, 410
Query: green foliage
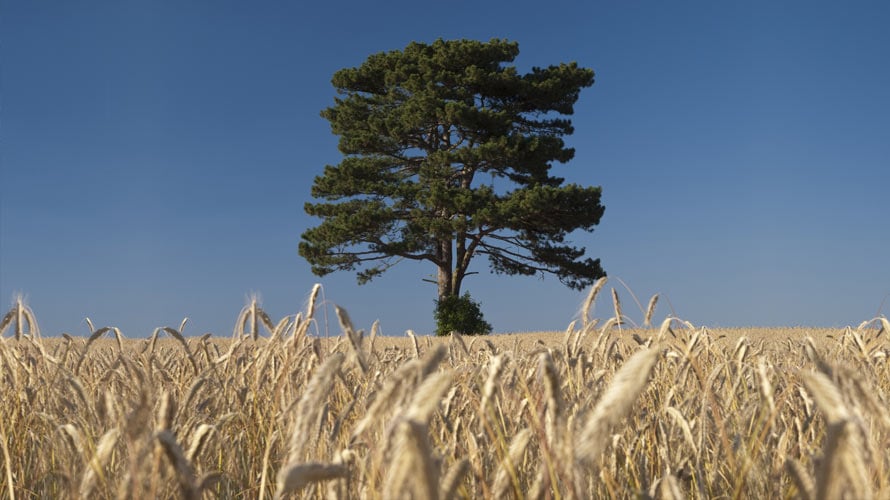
447, 151
460, 314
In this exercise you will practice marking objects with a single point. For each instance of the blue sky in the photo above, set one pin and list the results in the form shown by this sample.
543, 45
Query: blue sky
156, 157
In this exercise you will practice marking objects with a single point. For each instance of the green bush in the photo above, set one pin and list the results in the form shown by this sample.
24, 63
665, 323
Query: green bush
460, 314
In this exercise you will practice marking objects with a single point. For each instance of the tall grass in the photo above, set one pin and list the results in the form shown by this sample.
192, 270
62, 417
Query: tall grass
593, 412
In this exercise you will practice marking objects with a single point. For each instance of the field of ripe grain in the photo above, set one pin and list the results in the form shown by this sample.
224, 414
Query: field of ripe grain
594, 412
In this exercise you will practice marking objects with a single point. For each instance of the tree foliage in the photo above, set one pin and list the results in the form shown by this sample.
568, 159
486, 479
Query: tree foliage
447, 156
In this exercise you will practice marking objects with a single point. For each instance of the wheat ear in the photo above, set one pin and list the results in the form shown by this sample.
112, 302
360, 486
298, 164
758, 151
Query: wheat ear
310, 407
188, 351
805, 487
427, 396
452, 479
650, 311
414, 343
313, 296
591, 298
199, 439
616, 402
507, 474
413, 472
98, 462
184, 470
296, 477
843, 451
616, 304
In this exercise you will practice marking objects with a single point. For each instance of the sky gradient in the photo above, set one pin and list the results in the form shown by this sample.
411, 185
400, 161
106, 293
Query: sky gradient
155, 158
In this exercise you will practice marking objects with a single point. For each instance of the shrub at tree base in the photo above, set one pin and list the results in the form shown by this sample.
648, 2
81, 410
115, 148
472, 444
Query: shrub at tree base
460, 314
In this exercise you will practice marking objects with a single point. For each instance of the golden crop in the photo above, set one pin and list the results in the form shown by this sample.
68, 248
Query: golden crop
594, 412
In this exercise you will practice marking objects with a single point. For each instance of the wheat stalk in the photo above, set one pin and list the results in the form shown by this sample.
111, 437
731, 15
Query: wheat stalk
7, 461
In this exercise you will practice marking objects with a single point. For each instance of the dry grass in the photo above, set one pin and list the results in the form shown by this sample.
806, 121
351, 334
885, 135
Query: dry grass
675, 412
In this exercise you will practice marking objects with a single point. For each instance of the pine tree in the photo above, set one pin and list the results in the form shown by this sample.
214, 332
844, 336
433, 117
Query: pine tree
447, 156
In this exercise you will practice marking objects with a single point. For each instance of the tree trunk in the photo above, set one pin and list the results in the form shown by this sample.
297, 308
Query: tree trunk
446, 272
456, 280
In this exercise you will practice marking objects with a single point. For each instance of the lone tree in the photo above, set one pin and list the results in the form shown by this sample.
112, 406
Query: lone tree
447, 156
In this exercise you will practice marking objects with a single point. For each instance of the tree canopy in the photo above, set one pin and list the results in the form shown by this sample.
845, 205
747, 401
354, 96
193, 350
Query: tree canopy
447, 156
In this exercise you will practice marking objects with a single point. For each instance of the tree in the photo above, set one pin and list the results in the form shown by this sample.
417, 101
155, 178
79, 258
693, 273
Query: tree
447, 156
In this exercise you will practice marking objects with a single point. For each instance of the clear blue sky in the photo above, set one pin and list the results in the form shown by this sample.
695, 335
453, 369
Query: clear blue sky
156, 157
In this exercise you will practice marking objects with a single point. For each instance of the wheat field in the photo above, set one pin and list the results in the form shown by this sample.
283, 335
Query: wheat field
597, 411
